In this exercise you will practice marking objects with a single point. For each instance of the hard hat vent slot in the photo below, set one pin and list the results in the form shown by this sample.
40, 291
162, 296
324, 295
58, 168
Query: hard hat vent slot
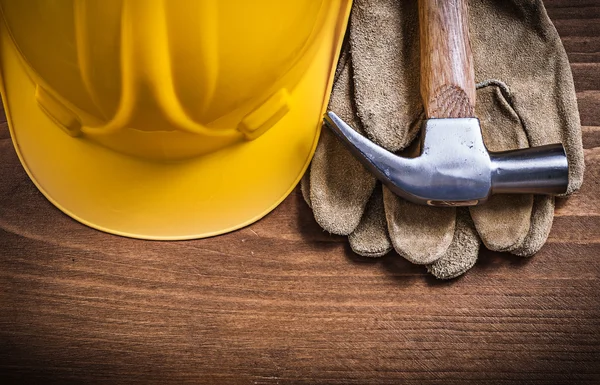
58, 112
266, 115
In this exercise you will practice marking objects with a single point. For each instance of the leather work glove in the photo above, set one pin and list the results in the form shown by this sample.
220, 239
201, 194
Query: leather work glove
525, 98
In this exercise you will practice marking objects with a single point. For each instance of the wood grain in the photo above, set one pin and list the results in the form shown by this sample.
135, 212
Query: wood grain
282, 302
447, 74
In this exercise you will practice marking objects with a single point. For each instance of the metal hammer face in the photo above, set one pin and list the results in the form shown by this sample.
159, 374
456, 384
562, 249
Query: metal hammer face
455, 168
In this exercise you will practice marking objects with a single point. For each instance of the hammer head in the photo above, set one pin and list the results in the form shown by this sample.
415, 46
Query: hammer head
455, 168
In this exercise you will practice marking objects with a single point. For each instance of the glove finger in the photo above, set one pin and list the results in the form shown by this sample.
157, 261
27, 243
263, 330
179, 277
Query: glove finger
421, 234
339, 185
463, 251
305, 187
504, 221
541, 224
515, 41
384, 41
371, 239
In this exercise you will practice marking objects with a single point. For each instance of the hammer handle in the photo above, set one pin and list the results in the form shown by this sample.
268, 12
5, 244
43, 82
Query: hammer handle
447, 75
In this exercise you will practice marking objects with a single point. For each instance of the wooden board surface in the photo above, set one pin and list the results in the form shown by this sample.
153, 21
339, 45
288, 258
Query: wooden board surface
282, 302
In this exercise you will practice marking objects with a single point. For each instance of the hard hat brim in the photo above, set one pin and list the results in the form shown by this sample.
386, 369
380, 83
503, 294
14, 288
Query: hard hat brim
196, 198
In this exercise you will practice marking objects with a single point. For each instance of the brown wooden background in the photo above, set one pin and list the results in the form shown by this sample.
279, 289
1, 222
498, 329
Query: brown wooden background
283, 302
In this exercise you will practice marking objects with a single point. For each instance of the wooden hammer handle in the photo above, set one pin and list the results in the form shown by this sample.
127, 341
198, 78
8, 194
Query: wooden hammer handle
447, 75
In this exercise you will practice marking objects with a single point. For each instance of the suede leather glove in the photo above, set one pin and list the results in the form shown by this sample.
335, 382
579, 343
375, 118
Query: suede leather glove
526, 98
345, 200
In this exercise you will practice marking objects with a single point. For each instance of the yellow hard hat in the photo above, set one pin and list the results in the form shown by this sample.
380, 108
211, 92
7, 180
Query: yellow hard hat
167, 119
